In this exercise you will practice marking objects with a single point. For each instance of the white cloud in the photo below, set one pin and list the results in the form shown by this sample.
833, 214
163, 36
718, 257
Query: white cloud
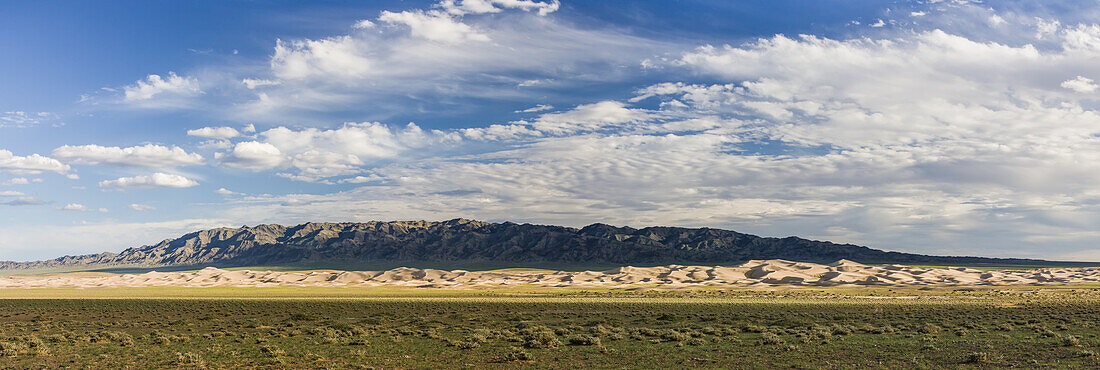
917, 14
878, 23
438, 56
317, 154
363, 23
27, 119
24, 201
148, 155
1045, 28
1082, 38
585, 117
332, 57
17, 181
996, 20
253, 83
252, 155
435, 26
499, 132
463, 7
10, 193
535, 82
154, 85
536, 108
225, 192
30, 165
1080, 84
156, 180
80, 208
215, 132
142, 207
361, 179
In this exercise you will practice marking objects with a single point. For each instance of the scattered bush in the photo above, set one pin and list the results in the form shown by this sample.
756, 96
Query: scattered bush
541, 339
468, 344
1071, 341
929, 328
674, 336
771, 339
696, 341
977, 358
517, 354
272, 351
189, 358
583, 340
1084, 353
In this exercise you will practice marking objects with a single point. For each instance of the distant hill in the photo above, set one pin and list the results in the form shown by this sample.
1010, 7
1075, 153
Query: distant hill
460, 241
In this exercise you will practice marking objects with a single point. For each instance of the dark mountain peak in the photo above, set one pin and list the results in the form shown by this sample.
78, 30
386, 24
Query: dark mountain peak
463, 240
603, 230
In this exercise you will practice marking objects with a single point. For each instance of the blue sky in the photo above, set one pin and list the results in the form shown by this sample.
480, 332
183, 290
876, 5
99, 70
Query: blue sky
946, 127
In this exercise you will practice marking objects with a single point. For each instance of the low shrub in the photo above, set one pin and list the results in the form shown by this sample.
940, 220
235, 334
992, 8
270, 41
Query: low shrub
516, 354
771, 339
583, 340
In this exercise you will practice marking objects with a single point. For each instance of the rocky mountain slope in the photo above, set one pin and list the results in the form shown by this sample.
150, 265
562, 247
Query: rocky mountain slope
461, 240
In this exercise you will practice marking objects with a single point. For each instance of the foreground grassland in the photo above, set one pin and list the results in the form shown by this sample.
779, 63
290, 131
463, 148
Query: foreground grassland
419, 328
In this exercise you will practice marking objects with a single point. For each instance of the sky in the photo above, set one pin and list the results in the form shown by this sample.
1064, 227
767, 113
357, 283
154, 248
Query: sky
938, 127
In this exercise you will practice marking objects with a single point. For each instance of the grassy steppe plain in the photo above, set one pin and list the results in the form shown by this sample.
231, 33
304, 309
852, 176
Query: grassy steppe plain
795, 327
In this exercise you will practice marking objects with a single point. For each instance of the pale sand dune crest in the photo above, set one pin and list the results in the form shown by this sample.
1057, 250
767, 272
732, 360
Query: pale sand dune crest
749, 274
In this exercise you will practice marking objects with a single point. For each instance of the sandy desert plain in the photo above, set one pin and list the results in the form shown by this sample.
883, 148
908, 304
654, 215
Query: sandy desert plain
762, 314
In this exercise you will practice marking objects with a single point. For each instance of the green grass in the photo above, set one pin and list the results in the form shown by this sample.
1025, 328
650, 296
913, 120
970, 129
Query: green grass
285, 327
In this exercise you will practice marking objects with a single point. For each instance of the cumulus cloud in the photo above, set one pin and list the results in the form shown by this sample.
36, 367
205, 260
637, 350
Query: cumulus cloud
336, 57
316, 153
30, 165
252, 155
215, 132
1080, 84
154, 85
156, 180
149, 155
434, 26
454, 50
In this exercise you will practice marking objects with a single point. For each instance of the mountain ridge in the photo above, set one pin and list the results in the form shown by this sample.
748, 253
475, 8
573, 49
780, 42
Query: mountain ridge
460, 240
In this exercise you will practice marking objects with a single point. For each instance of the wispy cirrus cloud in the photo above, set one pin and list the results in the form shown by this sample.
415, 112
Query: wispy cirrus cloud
28, 119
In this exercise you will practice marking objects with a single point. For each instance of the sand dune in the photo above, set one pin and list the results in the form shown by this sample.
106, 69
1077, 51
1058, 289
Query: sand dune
758, 272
